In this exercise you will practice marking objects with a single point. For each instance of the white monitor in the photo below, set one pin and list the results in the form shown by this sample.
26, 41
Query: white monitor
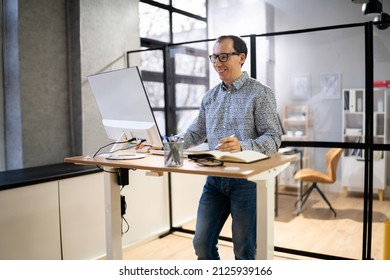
124, 106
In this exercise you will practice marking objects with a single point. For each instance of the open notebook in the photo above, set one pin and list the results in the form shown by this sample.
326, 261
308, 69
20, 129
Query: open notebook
246, 156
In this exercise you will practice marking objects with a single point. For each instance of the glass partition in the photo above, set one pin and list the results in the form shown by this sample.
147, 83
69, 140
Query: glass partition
318, 77
319, 82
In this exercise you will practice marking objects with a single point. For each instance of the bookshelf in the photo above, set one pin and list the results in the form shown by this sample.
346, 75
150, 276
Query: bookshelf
296, 125
354, 131
296, 122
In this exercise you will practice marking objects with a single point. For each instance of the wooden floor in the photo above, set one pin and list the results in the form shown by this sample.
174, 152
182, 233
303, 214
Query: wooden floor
314, 230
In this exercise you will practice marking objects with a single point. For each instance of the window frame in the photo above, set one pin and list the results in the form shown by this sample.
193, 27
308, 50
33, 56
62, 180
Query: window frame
170, 109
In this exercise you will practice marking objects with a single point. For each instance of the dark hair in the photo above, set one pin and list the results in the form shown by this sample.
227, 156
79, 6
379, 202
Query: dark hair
239, 44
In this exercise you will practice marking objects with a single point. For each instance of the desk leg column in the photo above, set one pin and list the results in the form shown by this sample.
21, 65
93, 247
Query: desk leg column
113, 217
265, 219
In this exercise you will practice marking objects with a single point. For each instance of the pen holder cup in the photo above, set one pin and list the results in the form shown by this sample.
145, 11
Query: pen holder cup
173, 154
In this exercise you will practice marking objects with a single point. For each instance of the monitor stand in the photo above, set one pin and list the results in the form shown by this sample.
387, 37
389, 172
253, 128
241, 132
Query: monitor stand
120, 152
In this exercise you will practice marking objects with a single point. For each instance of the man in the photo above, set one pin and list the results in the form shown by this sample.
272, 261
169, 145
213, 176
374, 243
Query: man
238, 114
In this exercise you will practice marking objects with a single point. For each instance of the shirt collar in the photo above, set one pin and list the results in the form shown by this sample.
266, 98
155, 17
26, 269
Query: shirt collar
238, 83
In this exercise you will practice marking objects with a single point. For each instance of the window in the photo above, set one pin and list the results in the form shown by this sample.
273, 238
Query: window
198, 7
154, 23
175, 76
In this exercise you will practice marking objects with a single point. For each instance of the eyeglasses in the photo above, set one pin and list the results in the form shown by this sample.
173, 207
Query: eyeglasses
208, 161
223, 57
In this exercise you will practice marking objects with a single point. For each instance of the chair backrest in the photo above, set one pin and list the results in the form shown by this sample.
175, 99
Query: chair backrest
332, 160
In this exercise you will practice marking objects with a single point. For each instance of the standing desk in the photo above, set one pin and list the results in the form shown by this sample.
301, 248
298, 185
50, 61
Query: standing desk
262, 172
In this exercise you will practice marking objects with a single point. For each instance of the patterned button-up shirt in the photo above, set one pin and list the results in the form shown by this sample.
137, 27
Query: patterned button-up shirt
246, 109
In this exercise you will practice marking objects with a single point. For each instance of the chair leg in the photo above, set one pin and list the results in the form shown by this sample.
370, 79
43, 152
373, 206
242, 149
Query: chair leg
324, 197
306, 195
303, 199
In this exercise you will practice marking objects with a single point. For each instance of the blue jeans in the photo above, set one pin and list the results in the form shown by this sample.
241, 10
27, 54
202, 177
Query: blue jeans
221, 197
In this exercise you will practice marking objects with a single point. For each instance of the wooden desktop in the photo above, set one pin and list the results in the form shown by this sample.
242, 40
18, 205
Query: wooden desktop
262, 172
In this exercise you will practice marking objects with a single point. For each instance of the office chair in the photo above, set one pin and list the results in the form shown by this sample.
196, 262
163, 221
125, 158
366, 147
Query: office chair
315, 176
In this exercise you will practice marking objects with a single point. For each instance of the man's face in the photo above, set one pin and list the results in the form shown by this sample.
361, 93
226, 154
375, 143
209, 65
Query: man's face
229, 70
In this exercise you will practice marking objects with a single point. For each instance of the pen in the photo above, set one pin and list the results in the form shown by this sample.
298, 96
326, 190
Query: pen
233, 135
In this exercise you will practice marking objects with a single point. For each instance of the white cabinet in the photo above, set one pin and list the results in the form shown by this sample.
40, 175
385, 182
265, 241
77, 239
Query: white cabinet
82, 217
354, 131
65, 219
29, 223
